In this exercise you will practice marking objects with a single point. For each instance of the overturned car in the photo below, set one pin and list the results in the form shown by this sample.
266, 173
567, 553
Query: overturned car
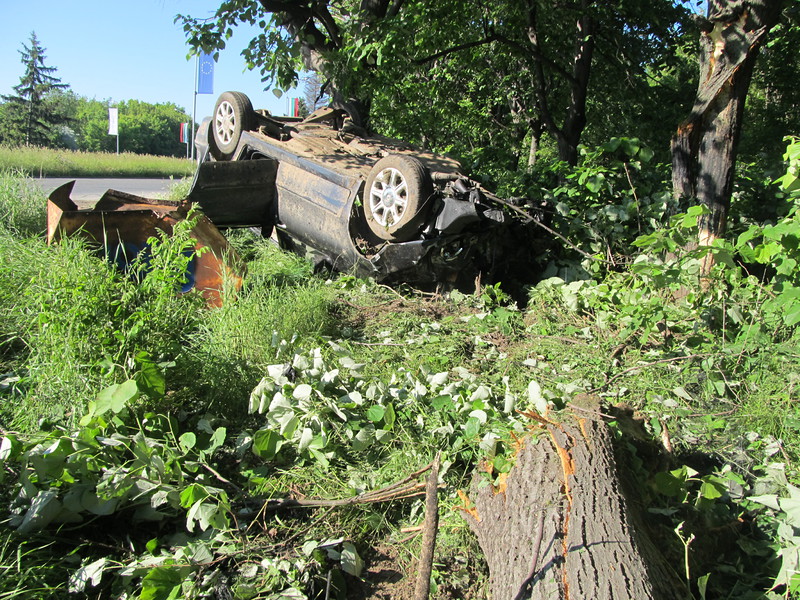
355, 203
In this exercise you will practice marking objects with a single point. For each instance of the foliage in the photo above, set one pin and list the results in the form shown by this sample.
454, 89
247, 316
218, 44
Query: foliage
334, 413
137, 467
615, 195
144, 128
505, 75
351, 386
45, 113
773, 101
734, 337
28, 118
72, 321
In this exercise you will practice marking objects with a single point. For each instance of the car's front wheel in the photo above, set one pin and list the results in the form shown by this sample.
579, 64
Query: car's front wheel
233, 113
397, 197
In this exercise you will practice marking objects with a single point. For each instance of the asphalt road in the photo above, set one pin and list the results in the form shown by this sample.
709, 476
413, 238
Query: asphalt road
89, 190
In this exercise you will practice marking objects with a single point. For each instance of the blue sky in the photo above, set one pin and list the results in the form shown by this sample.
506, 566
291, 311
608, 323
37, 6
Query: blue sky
125, 50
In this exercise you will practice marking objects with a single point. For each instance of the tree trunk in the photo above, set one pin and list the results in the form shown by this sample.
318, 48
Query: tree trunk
533, 150
704, 147
562, 526
315, 29
567, 136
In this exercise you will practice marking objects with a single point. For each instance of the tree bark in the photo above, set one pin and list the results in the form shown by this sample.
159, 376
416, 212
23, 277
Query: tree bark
562, 525
705, 145
314, 27
568, 135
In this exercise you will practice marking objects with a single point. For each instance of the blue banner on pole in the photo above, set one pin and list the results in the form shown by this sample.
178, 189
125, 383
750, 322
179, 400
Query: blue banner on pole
205, 74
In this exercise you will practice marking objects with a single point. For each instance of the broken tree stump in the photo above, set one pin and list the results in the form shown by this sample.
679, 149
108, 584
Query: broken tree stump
561, 526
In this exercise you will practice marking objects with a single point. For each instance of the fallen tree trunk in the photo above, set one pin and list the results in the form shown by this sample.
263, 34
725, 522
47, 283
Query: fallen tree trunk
561, 526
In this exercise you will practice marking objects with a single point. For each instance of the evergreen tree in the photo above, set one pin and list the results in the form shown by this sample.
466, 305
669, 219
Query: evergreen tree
29, 117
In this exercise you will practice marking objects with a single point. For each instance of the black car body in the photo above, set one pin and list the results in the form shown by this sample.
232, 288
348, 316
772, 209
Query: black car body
357, 203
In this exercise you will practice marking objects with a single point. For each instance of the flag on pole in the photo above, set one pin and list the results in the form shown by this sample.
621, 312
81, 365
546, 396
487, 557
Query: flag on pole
296, 108
113, 121
205, 74
184, 135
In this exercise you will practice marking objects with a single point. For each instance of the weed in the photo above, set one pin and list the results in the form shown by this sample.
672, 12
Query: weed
352, 386
22, 205
45, 162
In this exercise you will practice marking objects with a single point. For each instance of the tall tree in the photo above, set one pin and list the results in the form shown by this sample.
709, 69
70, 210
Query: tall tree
27, 112
144, 128
705, 146
541, 52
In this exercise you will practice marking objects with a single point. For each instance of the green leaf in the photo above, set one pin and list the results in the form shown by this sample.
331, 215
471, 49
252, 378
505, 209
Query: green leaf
5, 448
383, 436
116, 397
711, 488
188, 440
364, 438
764, 253
352, 563
791, 506
376, 413
217, 439
193, 494
702, 585
442, 403
161, 583
472, 428
672, 484
43, 509
646, 154
630, 146
595, 183
202, 513
302, 392
389, 418
149, 377
267, 443
792, 316
319, 457
91, 573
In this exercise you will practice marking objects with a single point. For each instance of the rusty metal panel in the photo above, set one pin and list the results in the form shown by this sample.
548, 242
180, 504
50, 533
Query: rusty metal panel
123, 227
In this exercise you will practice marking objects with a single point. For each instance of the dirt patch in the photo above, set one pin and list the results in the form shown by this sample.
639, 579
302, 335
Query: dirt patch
390, 577
384, 579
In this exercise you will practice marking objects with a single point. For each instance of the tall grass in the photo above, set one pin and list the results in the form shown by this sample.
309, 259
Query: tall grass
45, 162
281, 300
57, 305
71, 324
31, 569
22, 205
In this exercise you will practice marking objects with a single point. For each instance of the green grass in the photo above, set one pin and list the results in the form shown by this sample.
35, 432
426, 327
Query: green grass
22, 205
31, 569
70, 326
44, 162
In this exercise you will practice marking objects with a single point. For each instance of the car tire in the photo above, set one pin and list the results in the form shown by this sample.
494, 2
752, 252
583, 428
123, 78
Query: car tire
397, 197
233, 113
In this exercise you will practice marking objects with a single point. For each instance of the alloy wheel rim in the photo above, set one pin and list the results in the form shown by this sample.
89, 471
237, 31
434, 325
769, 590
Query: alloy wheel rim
388, 197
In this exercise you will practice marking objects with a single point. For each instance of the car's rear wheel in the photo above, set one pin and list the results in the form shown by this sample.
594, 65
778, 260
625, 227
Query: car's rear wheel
397, 197
233, 113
